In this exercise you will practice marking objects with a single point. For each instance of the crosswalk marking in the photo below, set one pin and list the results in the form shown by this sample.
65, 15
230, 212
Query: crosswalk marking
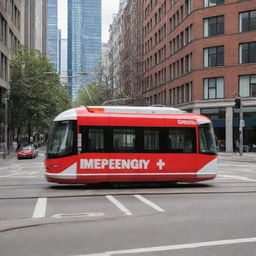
40, 208
148, 202
119, 205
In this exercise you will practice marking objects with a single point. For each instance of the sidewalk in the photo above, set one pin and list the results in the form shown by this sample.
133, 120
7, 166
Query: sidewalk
10, 155
246, 157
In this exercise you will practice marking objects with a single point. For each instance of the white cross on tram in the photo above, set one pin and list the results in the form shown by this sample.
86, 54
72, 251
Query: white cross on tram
160, 164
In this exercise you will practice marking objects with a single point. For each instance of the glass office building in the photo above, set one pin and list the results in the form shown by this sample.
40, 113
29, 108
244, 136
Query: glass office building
84, 42
53, 34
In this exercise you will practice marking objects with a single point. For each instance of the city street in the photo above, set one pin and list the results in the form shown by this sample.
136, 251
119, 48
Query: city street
209, 218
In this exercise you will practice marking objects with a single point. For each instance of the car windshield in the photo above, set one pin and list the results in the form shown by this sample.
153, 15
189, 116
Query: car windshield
27, 149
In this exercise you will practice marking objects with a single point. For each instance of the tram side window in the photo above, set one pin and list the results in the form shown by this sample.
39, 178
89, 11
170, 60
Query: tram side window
181, 140
95, 140
124, 140
151, 140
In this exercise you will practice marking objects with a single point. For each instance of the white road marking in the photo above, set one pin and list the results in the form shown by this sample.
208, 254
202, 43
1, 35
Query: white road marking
77, 215
119, 205
40, 208
146, 201
237, 177
176, 247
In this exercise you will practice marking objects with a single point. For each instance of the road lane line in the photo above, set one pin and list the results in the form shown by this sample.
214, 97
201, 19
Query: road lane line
40, 208
148, 202
176, 247
119, 205
237, 177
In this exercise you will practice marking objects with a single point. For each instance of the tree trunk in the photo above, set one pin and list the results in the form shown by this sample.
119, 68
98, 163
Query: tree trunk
29, 132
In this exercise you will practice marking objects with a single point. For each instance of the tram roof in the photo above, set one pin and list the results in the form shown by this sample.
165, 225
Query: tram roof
72, 114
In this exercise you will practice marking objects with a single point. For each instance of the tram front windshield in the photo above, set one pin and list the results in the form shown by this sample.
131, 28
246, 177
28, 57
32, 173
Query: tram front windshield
61, 140
207, 140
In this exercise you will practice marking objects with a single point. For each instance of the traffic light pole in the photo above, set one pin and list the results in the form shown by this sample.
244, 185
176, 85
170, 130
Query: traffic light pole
241, 125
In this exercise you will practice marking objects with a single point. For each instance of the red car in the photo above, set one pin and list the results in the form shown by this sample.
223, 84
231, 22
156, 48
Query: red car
28, 152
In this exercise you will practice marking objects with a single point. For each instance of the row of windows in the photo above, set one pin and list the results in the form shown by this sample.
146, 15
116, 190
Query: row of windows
150, 7
159, 79
13, 11
178, 95
180, 15
7, 37
181, 40
214, 56
138, 139
177, 18
181, 66
213, 88
3, 66
176, 69
176, 44
215, 25
160, 34
181, 94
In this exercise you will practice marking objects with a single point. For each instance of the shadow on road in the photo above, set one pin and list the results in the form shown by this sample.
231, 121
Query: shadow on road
141, 185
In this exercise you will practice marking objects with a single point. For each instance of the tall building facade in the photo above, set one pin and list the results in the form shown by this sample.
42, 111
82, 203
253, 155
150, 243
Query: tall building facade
64, 60
116, 45
10, 37
53, 35
199, 56
34, 24
84, 42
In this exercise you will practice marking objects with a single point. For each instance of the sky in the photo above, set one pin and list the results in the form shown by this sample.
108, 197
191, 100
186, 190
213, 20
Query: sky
109, 7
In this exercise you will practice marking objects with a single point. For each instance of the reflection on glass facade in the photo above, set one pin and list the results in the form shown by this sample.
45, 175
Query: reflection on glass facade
53, 34
84, 42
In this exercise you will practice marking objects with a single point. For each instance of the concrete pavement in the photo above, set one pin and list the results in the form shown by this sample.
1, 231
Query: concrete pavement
246, 157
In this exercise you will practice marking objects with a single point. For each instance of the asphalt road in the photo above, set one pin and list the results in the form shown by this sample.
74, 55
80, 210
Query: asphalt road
210, 218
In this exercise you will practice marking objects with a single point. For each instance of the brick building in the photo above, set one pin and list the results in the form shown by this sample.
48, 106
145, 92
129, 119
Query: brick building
198, 56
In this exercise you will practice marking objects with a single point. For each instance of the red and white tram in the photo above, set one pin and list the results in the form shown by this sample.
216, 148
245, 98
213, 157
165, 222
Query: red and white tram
125, 144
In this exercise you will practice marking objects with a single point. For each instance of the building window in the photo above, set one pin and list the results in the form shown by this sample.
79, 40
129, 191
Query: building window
214, 88
214, 56
247, 21
247, 86
209, 3
214, 26
247, 52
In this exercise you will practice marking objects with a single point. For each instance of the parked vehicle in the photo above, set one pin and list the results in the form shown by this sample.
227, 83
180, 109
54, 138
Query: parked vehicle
27, 152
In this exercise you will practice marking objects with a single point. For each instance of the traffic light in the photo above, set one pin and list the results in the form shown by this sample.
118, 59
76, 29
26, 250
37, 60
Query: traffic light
237, 103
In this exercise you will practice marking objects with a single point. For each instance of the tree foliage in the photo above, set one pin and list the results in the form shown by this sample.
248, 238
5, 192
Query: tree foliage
92, 94
36, 94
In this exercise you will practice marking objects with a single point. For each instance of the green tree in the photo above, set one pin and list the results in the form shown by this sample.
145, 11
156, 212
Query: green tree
92, 94
36, 94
